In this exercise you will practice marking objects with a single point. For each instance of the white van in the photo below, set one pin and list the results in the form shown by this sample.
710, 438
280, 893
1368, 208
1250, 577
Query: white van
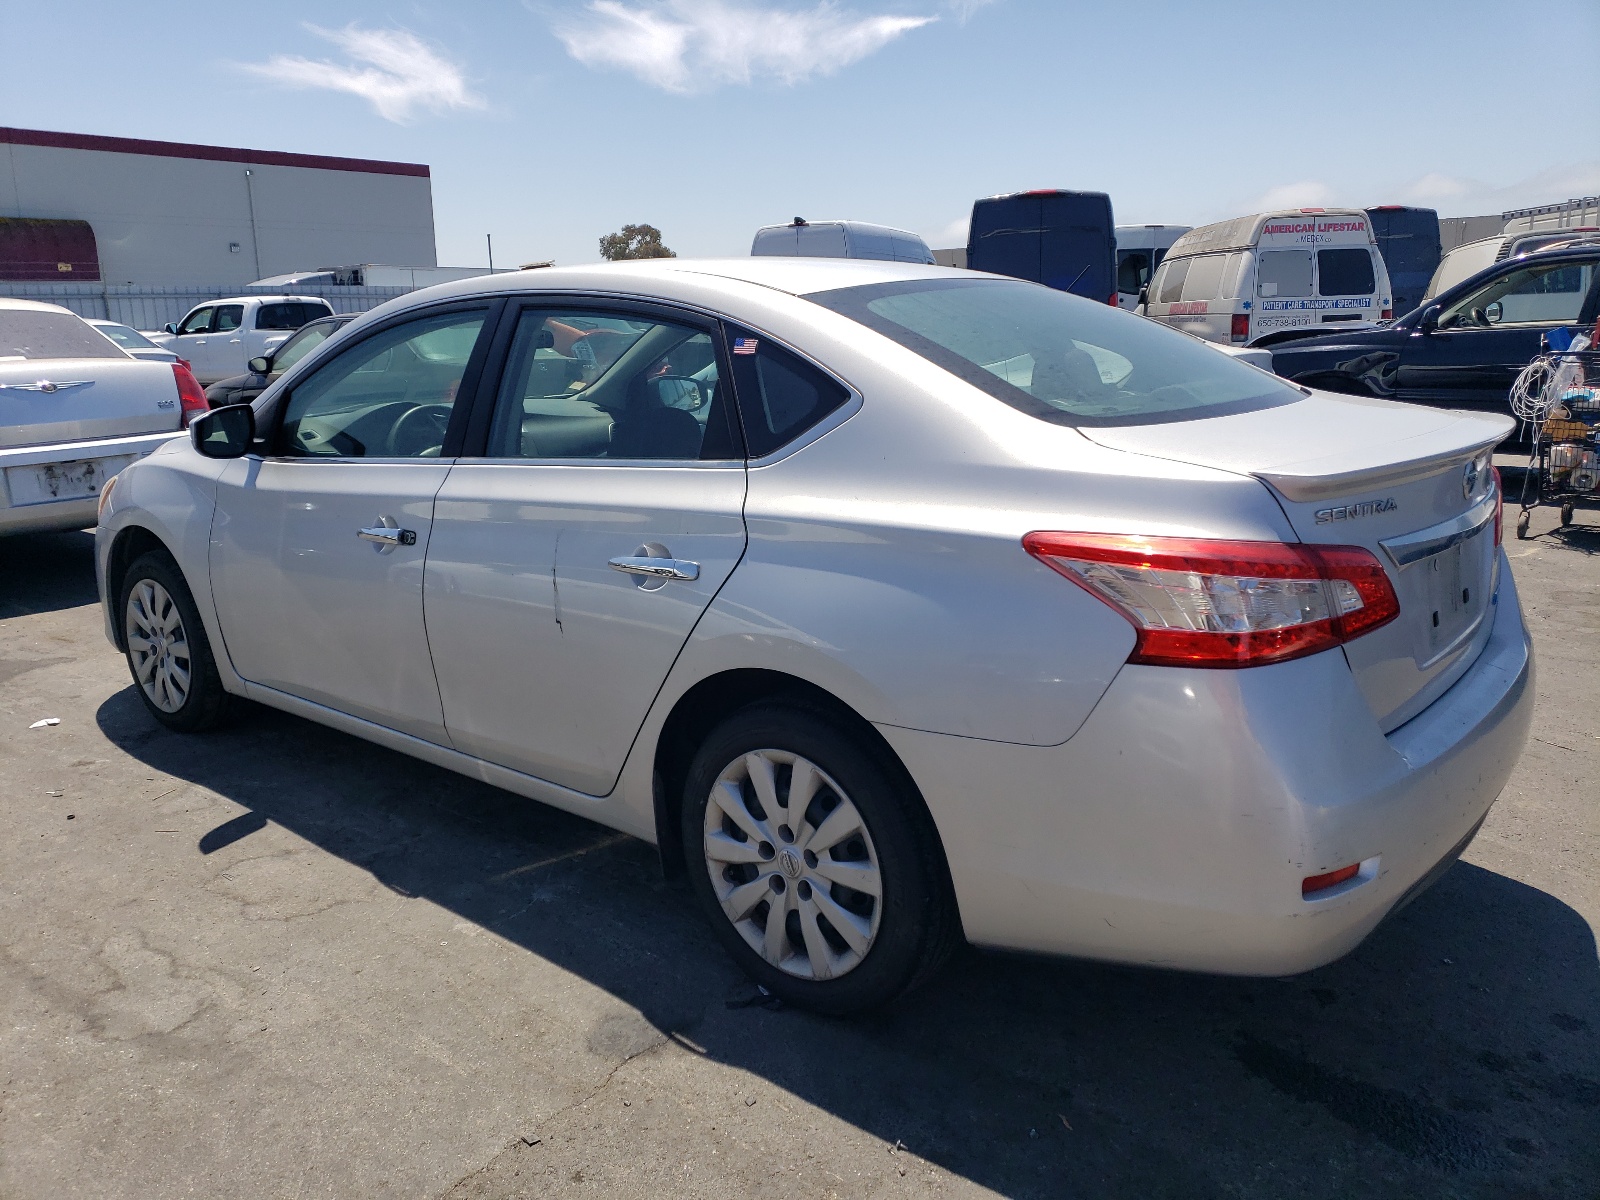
1304, 268
1140, 249
840, 239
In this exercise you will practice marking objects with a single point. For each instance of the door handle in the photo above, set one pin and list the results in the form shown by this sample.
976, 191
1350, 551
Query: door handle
656, 568
385, 536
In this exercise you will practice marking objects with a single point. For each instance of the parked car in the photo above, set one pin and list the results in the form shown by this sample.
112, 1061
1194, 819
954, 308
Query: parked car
1464, 348
895, 603
264, 369
1298, 269
75, 409
1140, 249
1408, 240
839, 239
1064, 240
1467, 260
132, 341
218, 338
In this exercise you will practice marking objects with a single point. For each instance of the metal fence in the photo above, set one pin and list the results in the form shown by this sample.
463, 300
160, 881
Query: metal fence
152, 307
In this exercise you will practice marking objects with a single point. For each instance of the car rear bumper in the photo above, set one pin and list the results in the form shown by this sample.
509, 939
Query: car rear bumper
1176, 827
24, 511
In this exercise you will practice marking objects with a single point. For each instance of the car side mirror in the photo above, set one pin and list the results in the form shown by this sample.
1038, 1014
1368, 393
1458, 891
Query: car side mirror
170, 327
1144, 296
224, 432
1429, 320
260, 365
678, 391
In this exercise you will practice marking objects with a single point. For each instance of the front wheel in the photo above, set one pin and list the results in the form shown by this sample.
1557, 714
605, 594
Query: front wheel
814, 862
168, 652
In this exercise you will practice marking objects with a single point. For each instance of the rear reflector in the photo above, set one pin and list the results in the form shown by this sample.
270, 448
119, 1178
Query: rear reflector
191, 396
1209, 603
1240, 330
1321, 883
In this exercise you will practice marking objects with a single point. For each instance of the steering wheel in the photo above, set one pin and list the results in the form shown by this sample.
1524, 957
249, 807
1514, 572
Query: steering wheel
419, 433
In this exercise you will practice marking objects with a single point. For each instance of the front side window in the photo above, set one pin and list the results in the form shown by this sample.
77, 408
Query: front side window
388, 396
1346, 271
1133, 270
1283, 273
229, 317
1548, 294
596, 385
1057, 357
199, 321
35, 333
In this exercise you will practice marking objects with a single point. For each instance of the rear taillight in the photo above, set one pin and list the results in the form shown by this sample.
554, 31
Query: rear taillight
191, 396
1499, 504
1240, 330
1386, 315
1313, 884
1113, 300
1209, 603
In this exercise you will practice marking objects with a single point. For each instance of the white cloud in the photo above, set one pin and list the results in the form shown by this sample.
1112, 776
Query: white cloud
953, 234
963, 9
392, 69
1308, 193
696, 45
1455, 196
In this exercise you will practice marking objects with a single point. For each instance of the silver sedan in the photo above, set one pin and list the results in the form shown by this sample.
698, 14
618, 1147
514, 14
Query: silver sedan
897, 605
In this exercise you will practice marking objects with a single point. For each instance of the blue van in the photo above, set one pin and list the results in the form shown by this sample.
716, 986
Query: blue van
1064, 240
1408, 239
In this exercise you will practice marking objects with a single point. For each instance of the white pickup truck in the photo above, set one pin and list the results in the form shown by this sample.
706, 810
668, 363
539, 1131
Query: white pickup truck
75, 409
220, 337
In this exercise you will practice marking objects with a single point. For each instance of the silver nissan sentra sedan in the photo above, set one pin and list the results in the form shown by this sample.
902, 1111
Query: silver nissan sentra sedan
898, 605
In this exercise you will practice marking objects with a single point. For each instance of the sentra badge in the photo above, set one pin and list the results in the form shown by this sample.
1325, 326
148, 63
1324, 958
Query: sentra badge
1350, 512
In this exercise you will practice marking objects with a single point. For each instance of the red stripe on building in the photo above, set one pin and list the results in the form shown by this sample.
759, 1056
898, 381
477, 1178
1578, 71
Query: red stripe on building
263, 158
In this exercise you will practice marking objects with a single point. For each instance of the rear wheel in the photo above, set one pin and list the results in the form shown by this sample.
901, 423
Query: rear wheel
169, 655
814, 862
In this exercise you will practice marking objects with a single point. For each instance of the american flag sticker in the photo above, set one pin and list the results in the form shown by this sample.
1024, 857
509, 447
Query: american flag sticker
745, 345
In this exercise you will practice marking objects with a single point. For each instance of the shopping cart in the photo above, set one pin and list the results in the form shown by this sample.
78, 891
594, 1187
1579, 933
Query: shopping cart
1558, 396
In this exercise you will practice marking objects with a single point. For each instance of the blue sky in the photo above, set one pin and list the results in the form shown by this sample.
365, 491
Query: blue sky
551, 122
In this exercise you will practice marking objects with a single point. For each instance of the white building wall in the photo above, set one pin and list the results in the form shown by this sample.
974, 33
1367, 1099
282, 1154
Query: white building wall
171, 221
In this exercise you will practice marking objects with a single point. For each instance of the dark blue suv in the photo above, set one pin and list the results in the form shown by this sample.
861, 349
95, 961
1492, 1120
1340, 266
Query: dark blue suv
1463, 348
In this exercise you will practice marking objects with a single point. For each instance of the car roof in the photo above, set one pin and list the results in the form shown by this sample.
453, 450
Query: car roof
273, 298
34, 306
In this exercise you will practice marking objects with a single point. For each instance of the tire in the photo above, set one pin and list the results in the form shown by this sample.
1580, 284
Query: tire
168, 653
806, 935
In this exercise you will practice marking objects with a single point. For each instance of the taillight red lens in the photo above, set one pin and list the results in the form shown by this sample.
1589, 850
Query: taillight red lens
1113, 300
1241, 327
1198, 602
1386, 315
191, 396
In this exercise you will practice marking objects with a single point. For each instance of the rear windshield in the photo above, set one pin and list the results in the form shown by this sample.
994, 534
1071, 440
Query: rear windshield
1345, 272
128, 339
1058, 357
29, 333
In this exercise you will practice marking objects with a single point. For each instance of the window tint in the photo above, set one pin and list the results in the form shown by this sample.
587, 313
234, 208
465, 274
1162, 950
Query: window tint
1172, 277
288, 314
199, 321
1284, 273
1133, 270
780, 395
1345, 272
1547, 294
1057, 357
1231, 283
32, 333
300, 345
1204, 278
597, 386
229, 317
389, 396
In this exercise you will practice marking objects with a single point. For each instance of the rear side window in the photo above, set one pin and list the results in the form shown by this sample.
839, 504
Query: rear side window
29, 333
1284, 273
229, 317
780, 395
1345, 272
288, 314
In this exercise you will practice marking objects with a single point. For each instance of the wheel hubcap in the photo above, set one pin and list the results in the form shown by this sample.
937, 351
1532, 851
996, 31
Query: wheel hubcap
812, 908
157, 645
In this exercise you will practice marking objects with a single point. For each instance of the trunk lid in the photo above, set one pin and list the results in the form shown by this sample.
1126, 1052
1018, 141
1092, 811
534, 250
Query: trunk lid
44, 400
1410, 484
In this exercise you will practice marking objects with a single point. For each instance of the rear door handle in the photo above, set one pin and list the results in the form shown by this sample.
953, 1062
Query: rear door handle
656, 568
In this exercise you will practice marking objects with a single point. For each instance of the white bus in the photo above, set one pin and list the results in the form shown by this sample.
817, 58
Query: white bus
1140, 249
1307, 269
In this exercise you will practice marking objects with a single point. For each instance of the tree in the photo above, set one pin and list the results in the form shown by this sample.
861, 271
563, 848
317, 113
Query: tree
634, 241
